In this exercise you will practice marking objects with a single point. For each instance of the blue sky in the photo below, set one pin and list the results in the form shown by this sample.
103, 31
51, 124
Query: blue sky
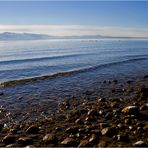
76, 16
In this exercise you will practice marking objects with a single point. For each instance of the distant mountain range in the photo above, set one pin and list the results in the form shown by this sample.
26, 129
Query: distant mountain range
6, 36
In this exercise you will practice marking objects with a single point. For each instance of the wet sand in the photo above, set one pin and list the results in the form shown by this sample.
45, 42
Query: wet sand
112, 113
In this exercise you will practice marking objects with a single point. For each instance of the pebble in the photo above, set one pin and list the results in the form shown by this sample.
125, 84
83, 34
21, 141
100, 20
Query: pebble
32, 129
50, 138
68, 142
93, 139
1, 93
139, 144
72, 130
84, 143
108, 131
131, 110
25, 141
9, 139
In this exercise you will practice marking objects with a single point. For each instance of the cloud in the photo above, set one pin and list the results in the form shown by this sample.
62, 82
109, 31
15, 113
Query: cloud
69, 30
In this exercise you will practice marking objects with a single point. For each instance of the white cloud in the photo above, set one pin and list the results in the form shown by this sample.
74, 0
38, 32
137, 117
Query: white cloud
68, 30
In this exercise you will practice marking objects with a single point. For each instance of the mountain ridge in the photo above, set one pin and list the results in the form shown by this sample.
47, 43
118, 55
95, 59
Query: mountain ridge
32, 36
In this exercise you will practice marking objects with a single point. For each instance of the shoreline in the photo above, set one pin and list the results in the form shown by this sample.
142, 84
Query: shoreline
95, 117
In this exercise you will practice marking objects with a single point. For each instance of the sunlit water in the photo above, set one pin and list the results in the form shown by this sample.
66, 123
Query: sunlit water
27, 59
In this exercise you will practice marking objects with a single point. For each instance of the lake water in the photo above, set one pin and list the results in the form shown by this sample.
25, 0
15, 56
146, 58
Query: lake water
27, 59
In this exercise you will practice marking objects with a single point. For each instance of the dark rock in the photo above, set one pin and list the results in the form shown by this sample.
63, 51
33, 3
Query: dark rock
144, 107
123, 138
108, 131
146, 76
129, 82
108, 116
69, 142
89, 119
93, 139
72, 130
131, 110
1, 93
79, 121
103, 125
32, 130
101, 100
25, 141
139, 144
9, 139
92, 112
1, 126
50, 138
115, 81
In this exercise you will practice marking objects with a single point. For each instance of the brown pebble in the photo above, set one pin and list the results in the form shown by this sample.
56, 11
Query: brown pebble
50, 138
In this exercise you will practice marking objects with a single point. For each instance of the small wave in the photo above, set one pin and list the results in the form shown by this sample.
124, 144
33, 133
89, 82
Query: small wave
42, 58
66, 73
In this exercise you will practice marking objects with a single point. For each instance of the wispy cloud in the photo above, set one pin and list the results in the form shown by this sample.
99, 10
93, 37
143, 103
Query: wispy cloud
69, 30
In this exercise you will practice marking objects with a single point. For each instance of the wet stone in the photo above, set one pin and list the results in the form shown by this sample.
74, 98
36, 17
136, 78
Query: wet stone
50, 138
84, 143
9, 139
123, 138
32, 130
108, 131
72, 130
139, 144
79, 121
102, 144
92, 112
93, 139
131, 110
25, 141
1, 93
1, 126
69, 142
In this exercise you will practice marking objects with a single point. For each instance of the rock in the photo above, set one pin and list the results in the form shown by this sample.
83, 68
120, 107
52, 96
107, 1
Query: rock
108, 116
115, 81
144, 107
146, 76
9, 139
129, 82
131, 110
72, 130
89, 119
84, 143
50, 138
79, 121
102, 100
1, 126
69, 142
102, 144
30, 146
123, 138
139, 144
11, 145
94, 139
144, 92
108, 131
32, 130
25, 141
92, 112
1, 93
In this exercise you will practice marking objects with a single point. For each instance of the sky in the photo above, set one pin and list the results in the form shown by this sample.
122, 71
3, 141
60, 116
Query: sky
113, 18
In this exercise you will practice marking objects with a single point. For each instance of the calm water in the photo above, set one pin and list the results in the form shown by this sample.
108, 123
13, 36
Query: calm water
27, 59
